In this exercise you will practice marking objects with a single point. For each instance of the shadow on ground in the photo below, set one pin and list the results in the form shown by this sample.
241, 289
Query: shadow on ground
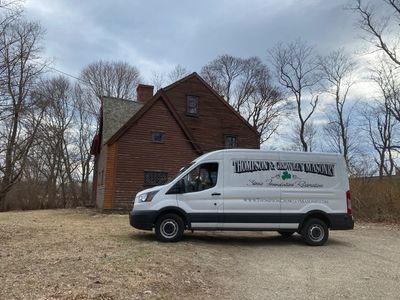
217, 238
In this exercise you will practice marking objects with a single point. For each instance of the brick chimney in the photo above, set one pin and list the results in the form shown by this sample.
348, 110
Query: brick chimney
144, 92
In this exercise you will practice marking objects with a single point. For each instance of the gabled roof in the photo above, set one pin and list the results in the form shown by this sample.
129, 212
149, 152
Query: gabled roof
96, 142
115, 113
218, 96
159, 96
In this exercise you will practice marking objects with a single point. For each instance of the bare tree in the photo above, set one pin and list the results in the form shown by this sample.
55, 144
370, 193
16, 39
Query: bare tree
380, 24
55, 141
310, 137
10, 11
221, 74
387, 76
252, 73
110, 78
178, 72
85, 128
158, 80
21, 115
247, 86
59, 163
265, 106
379, 20
381, 127
297, 70
338, 71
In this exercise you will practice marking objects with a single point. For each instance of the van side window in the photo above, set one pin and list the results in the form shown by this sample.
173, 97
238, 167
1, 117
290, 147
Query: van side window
201, 178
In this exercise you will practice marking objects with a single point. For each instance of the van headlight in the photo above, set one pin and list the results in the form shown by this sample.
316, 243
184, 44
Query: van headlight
146, 197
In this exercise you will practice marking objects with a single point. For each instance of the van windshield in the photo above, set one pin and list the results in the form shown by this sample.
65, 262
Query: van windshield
183, 169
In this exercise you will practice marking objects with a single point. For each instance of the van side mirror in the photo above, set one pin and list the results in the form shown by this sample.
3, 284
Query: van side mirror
177, 188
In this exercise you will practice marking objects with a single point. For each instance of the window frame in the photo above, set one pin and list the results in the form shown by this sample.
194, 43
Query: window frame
231, 136
158, 132
101, 173
196, 114
154, 171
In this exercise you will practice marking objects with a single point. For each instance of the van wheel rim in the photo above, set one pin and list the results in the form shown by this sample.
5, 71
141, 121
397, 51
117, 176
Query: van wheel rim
169, 228
316, 233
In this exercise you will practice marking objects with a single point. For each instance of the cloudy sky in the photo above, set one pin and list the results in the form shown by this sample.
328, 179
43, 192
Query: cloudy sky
156, 35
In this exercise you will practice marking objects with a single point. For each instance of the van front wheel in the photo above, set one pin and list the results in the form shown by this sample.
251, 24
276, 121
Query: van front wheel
169, 228
315, 232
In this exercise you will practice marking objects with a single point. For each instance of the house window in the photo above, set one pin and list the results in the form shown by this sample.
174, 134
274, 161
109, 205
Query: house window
158, 137
101, 178
230, 141
153, 178
192, 105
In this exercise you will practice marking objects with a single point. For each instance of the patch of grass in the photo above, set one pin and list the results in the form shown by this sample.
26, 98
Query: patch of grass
82, 254
376, 200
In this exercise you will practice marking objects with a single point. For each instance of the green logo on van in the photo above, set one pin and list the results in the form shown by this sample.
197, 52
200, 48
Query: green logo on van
286, 175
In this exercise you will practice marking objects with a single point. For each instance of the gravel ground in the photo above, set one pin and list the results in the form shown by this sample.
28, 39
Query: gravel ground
82, 254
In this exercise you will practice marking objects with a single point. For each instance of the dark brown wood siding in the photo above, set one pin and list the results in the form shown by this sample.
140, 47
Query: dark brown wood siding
137, 153
214, 119
134, 152
109, 176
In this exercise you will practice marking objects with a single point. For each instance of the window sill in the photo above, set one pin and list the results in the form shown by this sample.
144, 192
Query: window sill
192, 115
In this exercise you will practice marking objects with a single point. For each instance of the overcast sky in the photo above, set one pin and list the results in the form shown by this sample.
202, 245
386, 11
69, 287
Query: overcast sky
156, 35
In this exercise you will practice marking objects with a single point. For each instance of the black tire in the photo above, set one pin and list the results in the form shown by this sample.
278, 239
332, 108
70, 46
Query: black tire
169, 228
315, 232
286, 233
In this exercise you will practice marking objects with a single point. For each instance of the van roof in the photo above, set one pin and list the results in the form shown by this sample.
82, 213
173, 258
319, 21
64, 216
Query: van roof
249, 151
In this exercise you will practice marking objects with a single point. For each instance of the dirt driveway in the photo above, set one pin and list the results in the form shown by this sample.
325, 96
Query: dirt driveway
81, 254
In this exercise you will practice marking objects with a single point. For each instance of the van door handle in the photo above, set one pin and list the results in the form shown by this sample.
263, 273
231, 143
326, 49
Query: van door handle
216, 194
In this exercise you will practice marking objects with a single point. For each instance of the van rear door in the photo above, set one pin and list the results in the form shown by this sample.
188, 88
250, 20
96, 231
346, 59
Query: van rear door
312, 183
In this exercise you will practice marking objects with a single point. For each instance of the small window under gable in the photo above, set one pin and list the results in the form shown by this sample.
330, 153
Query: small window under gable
230, 141
158, 137
192, 105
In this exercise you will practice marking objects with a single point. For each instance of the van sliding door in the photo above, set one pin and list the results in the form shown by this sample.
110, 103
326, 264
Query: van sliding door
251, 191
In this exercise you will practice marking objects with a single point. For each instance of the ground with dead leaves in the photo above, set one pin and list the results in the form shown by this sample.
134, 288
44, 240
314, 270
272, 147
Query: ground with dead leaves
82, 254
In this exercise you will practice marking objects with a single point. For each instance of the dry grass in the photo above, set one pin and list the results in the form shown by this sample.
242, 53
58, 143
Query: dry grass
376, 200
80, 254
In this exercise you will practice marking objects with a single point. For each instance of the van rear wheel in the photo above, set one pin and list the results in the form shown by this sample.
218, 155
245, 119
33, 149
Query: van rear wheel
169, 228
286, 233
315, 232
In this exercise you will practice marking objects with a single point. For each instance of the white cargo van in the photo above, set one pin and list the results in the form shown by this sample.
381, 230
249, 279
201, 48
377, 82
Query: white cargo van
240, 189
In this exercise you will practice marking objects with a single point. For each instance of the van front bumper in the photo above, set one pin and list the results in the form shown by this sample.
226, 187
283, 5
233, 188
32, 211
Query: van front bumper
143, 220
